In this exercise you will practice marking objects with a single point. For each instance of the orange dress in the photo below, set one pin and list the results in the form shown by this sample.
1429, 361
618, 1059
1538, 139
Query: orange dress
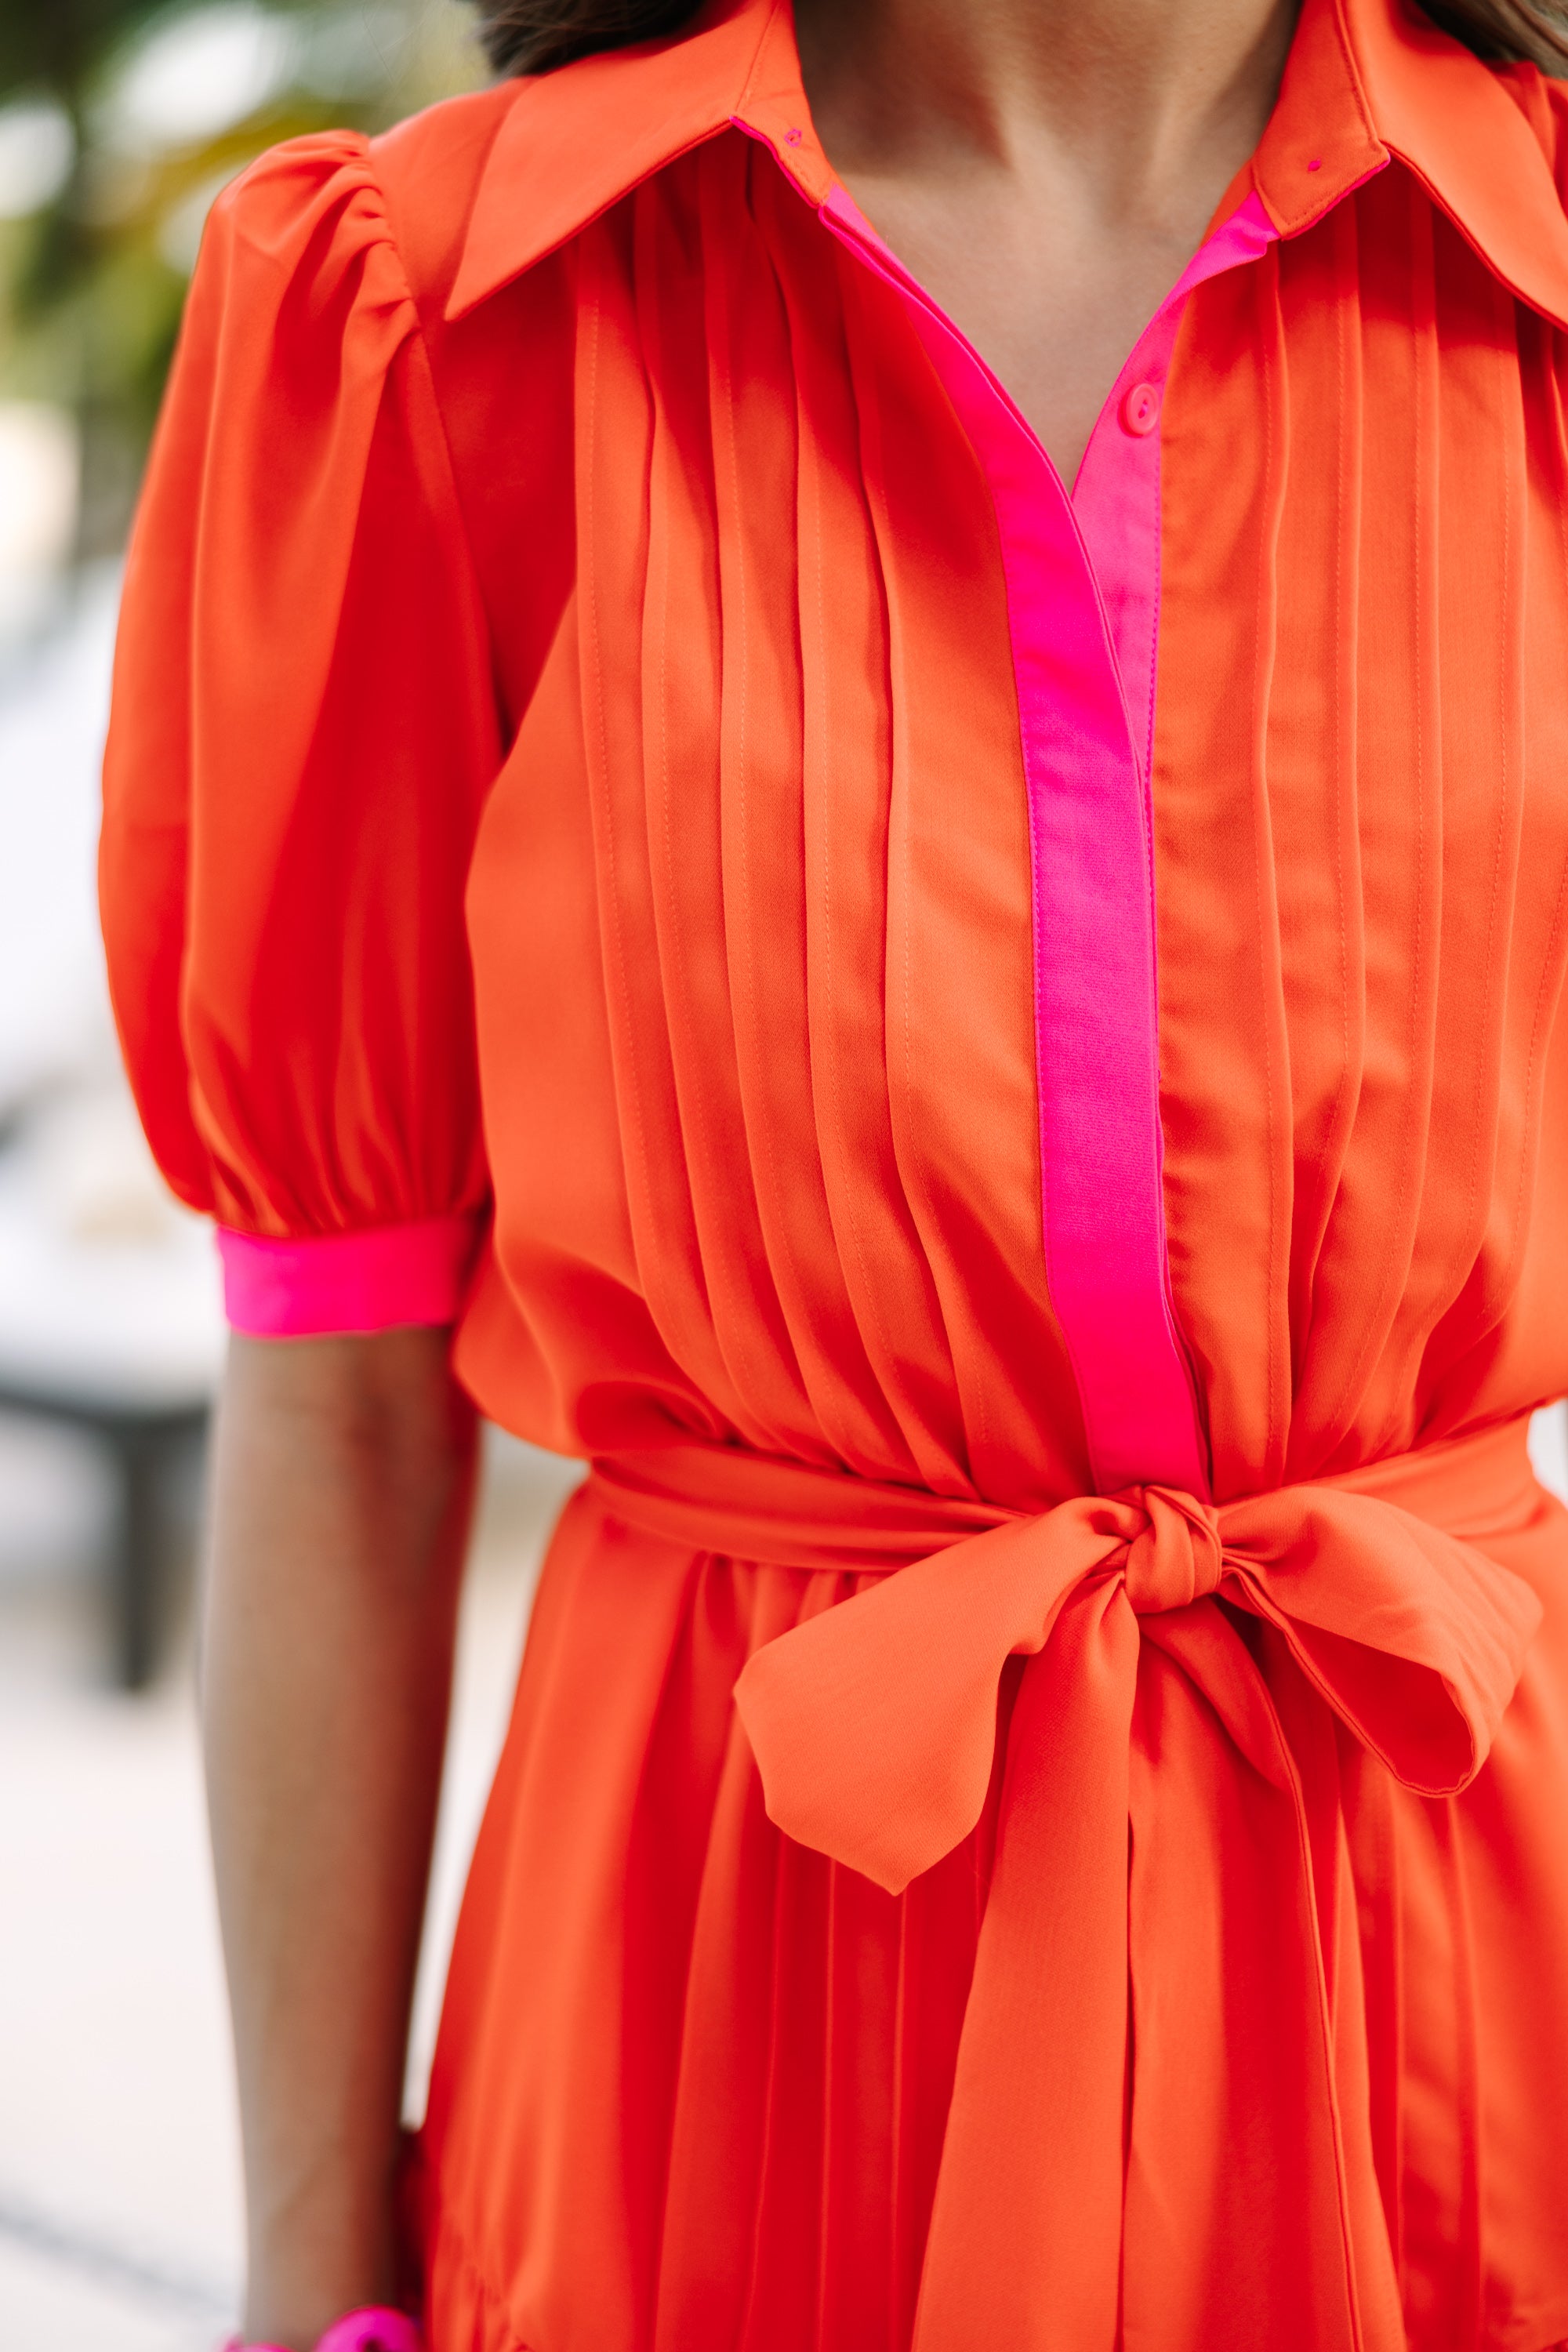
995, 1058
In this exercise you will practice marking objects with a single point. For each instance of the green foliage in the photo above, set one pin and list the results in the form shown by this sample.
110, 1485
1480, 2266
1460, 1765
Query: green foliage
93, 279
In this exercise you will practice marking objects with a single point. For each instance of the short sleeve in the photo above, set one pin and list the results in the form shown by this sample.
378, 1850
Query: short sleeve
304, 729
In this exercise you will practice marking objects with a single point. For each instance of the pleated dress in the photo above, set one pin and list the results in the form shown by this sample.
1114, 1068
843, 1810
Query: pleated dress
993, 1059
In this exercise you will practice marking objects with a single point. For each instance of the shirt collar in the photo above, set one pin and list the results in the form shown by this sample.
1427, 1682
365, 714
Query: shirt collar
1367, 80
576, 140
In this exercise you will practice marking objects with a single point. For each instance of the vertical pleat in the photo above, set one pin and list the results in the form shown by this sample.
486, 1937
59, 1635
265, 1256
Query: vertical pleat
616, 429
1277, 1169
1398, 756
766, 934
846, 754
1224, 1091
812, 2041
960, 1072
1314, 778
1529, 490
810, 848
1391, 946
1480, 484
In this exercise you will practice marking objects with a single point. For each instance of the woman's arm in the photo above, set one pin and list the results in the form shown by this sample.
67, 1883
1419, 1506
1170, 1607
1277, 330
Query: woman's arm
343, 1483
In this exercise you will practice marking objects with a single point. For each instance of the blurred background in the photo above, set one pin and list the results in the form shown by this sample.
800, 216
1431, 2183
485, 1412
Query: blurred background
119, 2227
119, 2223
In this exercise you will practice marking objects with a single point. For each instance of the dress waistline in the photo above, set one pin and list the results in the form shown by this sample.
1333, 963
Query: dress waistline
1169, 1855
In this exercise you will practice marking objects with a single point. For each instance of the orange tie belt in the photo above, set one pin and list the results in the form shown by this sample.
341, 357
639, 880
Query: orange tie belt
1172, 1860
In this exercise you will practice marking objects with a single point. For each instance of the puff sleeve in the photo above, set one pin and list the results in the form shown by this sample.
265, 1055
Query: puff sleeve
304, 728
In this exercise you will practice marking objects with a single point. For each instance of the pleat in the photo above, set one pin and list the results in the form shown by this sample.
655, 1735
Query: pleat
703, 701
814, 848
540, 2095
1439, 2119
841, 629
1481, 485
726, 2059
565, 1238
757, 434
1507, 1856
1372, 1851
1203, 2269
820, 2027
615, 440
1224, 1088
693, 2079
1371, 2188
1314, 779
1533, 722
1398, 756
962, 1089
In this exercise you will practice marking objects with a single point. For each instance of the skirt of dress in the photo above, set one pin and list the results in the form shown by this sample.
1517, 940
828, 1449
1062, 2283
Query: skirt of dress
693, 2078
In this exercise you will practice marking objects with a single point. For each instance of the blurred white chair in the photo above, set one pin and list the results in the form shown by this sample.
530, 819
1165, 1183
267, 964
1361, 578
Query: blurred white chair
110, 1321
110, 1314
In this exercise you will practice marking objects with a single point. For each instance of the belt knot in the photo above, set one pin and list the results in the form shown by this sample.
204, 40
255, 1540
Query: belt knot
1176, 1556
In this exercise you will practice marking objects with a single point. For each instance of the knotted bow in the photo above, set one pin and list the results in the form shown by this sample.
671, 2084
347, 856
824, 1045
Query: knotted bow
1150, 2141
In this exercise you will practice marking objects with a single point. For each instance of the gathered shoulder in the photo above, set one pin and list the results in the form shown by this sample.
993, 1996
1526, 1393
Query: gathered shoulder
391, 210
323, 180
299, 250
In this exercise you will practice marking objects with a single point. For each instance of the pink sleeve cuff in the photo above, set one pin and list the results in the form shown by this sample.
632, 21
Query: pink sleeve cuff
347, 1282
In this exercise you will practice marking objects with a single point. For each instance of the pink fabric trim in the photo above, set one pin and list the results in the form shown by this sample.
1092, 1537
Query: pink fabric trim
1116, 496
373, 2329
347, 1282
1085, 756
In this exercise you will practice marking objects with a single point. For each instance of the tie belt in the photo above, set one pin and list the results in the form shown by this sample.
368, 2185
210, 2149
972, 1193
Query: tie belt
1171, 1875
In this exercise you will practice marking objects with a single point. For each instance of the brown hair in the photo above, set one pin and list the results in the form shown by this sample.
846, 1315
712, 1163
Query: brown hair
531, 35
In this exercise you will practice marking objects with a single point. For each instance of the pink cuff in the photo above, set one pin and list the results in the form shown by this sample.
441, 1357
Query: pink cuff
372, 2330
347, 1282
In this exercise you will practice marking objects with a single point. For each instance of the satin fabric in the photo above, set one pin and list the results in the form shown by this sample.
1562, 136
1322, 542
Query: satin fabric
1149, 1747
566, 775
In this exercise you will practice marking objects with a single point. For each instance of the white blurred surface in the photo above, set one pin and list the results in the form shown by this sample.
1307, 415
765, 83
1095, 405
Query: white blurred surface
108, 1291
39, 485
54, 1002
48, 2307
38, 148
1549, 1449
199, 73
109, 1294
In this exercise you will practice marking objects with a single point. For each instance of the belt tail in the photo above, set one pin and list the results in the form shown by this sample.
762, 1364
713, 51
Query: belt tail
1025, 2247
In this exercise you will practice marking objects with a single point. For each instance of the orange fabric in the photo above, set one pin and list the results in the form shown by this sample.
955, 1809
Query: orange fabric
566, 757
874, 1725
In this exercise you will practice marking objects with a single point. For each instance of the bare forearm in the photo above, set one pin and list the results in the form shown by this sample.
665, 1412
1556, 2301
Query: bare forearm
341, 1491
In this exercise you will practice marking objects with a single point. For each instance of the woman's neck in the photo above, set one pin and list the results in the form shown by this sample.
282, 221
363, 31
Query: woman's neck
1047, 167
1125, 94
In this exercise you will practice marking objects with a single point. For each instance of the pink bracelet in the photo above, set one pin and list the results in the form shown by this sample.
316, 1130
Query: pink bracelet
374, 2329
